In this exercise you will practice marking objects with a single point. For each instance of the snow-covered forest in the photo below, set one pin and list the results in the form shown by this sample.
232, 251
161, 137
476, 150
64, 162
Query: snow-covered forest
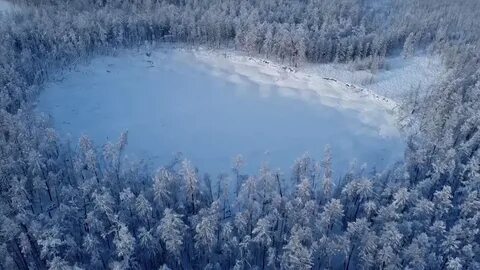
68, 205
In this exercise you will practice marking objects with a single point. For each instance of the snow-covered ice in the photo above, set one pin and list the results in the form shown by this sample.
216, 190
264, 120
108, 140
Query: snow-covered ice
211, 107
306, 84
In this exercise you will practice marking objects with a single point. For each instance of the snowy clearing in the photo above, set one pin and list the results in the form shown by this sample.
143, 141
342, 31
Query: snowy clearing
383, 88
398, 79
174, 101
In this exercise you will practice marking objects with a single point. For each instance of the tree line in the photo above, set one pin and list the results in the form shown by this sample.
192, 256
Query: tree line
72, 206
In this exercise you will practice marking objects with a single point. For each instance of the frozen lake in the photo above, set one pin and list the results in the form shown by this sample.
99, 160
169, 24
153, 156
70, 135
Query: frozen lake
172, 102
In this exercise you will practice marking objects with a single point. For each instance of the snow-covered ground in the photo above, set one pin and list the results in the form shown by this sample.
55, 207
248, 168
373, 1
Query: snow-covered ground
212, 108
399, 77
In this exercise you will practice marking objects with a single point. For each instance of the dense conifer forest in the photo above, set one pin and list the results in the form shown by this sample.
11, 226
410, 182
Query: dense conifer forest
70, 205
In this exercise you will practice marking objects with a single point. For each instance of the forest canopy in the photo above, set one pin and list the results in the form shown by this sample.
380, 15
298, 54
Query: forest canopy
73, 206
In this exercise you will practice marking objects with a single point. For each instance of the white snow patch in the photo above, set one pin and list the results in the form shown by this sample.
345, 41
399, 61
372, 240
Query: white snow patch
399, 77
306, 84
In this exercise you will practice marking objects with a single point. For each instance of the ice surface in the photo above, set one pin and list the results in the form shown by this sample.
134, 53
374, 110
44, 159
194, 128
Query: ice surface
212, 110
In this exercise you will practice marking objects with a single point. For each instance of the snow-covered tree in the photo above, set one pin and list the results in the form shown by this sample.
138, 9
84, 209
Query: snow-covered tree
297, 254
171, 230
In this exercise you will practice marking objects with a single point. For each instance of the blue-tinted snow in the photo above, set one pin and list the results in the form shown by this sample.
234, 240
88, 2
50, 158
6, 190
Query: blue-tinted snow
171, 103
